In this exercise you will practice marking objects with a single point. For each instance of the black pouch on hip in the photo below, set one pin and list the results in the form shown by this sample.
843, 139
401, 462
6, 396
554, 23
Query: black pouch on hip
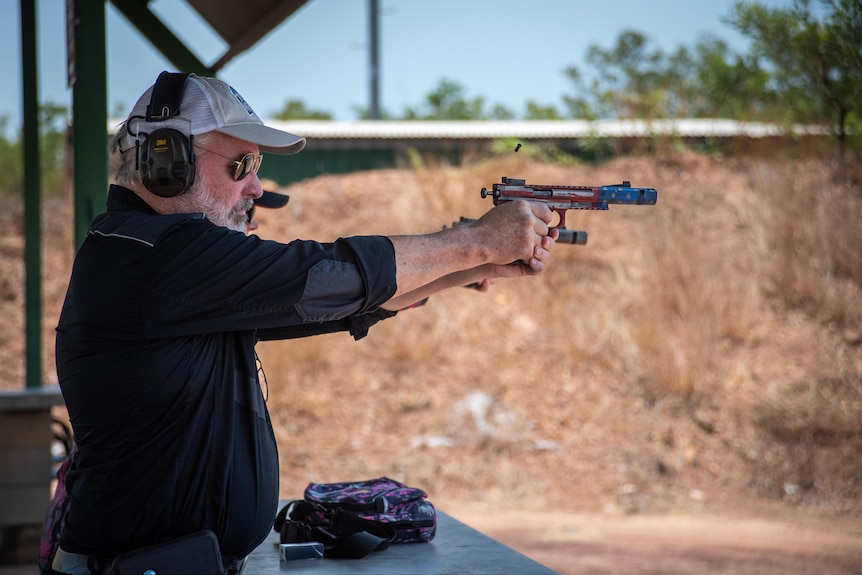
195, 554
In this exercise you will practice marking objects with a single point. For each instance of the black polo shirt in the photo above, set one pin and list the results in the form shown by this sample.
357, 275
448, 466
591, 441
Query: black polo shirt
155, 358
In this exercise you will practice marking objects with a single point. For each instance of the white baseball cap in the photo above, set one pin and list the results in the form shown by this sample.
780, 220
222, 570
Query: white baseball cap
209, 104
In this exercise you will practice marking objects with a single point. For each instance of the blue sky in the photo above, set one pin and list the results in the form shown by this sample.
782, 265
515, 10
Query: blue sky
508, 51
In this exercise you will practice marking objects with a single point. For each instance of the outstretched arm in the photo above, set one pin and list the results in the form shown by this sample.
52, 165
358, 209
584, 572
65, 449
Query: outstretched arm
510, 240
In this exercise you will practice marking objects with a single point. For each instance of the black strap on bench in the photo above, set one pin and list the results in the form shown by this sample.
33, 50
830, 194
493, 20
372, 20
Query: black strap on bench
346, 536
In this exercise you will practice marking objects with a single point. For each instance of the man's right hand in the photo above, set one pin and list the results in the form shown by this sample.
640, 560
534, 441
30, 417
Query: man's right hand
518, 232
510, 240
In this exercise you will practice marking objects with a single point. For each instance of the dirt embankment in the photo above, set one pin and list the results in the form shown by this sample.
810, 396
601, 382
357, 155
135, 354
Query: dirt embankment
681, 395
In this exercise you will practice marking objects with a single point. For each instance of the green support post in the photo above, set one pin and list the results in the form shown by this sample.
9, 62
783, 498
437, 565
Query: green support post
89, 113
32, 197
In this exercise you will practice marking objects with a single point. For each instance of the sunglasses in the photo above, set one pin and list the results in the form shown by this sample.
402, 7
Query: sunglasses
248, 164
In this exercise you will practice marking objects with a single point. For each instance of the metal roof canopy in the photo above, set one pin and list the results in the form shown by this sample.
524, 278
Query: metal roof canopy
241, 26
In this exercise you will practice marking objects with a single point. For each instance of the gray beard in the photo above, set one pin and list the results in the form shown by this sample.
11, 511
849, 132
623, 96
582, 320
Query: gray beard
202, 197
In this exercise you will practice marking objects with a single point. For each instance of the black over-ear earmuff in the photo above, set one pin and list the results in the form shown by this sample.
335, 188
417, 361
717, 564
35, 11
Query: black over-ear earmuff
166, 157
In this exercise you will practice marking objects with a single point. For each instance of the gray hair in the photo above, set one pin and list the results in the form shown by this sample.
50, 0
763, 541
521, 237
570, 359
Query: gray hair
123, 163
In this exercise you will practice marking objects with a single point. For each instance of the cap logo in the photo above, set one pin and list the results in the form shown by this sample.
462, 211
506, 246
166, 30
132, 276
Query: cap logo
242, 101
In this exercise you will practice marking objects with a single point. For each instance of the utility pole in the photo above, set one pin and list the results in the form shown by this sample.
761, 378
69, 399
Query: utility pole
374, 33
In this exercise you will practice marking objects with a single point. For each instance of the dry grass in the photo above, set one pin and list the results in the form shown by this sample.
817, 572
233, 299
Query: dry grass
698, 353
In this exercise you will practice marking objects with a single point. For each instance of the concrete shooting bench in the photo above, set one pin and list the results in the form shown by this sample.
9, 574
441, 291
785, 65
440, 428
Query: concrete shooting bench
25, 469
456, 550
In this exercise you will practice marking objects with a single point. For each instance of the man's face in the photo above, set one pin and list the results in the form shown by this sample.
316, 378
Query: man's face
226, 200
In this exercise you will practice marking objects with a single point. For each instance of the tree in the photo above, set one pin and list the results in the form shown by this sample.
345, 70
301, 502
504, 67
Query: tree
11, 167
364, 113
536, 111
53, 123
448, 101
583, 105
501, 112
816, 65
633, 85
296, 110
731, 85
632, 80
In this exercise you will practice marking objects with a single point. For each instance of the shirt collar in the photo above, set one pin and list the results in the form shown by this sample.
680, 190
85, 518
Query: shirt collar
121, 199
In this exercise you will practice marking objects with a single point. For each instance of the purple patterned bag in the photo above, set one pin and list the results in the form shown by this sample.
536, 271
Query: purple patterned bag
405, 509
55, 517
381, 510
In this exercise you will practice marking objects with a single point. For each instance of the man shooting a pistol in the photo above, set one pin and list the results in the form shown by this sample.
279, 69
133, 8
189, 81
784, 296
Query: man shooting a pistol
167, 299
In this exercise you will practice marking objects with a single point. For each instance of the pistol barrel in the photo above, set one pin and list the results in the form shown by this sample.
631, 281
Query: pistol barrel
625, 194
